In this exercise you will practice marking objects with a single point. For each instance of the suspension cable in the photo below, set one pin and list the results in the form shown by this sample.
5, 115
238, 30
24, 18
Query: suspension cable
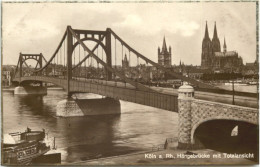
115, 62
102, 66
89, 64
85, 70
97, 65
122, 53
57, 60
64, 55
115, 53
74, 59
57, 63
60, 58
53, 67
80, 65
129, 57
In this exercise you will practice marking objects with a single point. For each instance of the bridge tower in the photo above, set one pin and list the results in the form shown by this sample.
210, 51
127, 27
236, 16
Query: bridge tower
71, 46
69, 60
26, 88
108, 52
24, 57
20, 67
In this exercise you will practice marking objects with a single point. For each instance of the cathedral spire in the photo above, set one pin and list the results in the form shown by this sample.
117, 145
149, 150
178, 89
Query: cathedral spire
215, 32
216, 47
164, 47
125, 59
225, 46
206, 31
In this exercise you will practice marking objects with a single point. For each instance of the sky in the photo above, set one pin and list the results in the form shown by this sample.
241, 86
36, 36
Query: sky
39, 27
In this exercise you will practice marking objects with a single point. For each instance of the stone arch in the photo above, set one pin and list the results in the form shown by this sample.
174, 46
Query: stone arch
197, 124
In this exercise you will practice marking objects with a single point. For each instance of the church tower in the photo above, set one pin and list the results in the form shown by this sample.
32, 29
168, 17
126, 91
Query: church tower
165, 56
215, 41
224, 46
206, 55
125, 63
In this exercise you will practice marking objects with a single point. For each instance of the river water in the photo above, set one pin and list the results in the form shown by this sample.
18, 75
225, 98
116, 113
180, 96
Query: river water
240, 88
137, 128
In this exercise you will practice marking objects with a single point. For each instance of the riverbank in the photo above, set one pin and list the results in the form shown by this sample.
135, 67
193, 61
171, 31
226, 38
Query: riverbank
170, 157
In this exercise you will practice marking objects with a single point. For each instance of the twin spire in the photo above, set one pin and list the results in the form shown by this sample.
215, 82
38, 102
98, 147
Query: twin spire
215, 35
215, 32
225, 46
206, 31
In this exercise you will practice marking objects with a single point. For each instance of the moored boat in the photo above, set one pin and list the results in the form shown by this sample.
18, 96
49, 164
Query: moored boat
21, 148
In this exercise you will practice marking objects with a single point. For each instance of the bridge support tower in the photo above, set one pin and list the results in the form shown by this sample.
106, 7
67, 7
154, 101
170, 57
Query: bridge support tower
185, 98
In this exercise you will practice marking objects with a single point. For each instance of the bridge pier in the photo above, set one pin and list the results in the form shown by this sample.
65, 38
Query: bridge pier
30, 90
185, 98
82, 107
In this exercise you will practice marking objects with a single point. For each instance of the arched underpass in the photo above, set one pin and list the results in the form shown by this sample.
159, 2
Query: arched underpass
229, 136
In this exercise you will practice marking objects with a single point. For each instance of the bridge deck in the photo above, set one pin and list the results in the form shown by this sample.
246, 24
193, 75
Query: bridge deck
116, 90
164, 98
216, 97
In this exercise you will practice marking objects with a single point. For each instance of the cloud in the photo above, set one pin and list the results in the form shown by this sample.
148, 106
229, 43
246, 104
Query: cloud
131, 21
187, 28
147, 26
40, 26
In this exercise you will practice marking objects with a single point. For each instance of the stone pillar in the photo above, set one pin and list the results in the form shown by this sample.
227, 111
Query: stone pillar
185, 97
68, 108
82, 107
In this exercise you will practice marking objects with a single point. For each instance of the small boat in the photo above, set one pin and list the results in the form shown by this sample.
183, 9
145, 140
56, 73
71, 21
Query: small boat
21, 148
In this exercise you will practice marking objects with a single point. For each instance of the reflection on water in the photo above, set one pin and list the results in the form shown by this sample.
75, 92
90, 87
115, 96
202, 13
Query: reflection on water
80, 138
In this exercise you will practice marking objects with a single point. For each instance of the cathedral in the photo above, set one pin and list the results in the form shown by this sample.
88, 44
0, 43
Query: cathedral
165, 56
212, 57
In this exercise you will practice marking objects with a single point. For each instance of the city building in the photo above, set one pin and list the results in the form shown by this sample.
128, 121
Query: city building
6, 78
165, 56
7, 74
251, 69
212, 58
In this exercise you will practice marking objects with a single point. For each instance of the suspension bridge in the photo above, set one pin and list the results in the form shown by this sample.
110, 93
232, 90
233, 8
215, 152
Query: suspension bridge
100, 62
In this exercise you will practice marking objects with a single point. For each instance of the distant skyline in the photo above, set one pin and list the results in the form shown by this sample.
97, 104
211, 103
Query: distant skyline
38, 27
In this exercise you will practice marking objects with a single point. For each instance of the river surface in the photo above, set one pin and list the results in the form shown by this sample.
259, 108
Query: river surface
240, 88
137, 128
